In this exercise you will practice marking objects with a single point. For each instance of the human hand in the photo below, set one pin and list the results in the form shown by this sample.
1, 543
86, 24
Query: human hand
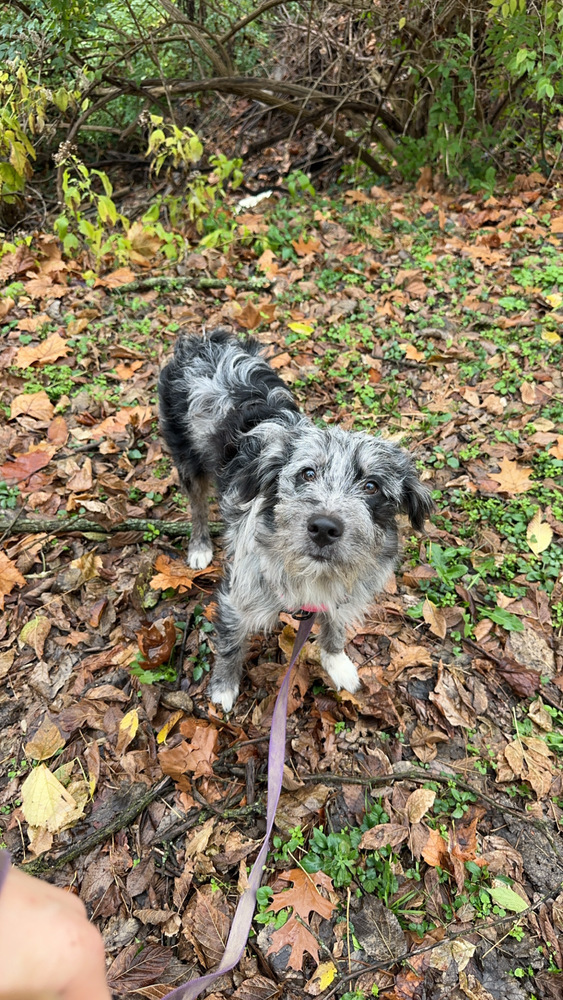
48, 948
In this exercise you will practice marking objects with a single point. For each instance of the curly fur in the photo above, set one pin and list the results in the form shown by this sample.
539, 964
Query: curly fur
228, 418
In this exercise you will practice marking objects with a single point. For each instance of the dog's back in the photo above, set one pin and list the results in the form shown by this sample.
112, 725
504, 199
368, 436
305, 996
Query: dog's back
215, 389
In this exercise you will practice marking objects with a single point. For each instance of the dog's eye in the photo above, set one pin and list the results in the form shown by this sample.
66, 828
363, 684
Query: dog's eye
370, 487
308, 475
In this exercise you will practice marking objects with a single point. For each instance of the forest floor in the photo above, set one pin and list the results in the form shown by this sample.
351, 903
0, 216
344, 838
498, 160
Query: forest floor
421, 820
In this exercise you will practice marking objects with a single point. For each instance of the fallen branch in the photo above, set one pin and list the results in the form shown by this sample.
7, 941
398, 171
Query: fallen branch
68, 525
40, 866
172, 283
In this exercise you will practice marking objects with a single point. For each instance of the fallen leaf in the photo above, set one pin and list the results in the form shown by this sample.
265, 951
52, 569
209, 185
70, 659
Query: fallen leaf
196, 755
302, 247
46, 802
156, 642
458, 951
88, 566
321, 979
168, 726
512, 478
46, 741
127, 730
174, 574
412, 352
6, 305
34, 634
304, 897
6, 659
51, 349
267, 263
24, 466
144, 244
299, 939
435, 618
418, 804
384, 835
538, 534
507, 898
122, 276
206, 924
57, 432
435, 851
34, 404
299, 327
528, 393
10, 577
557, 449
126, 372
134, 968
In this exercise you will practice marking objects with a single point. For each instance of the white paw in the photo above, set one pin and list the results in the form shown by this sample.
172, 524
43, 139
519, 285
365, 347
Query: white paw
341, 670
199, 556
223, 694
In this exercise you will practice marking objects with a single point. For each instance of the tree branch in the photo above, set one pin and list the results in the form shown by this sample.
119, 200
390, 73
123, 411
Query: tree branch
68, 525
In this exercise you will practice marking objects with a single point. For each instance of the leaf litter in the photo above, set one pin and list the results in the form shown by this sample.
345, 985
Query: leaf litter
417, 807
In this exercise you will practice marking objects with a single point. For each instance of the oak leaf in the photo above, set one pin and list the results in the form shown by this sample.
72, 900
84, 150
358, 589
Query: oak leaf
48, 350
512, 478
302, 247
33, 404
304, 896
174, 574
10, 577
299, 939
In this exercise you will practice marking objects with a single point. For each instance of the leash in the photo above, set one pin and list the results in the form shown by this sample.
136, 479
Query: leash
240, 927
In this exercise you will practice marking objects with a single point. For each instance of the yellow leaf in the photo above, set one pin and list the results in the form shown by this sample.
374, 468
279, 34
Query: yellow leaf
554, 300
321, 979
127, 730
168, 726
538, 534
550, 337
301, 327
45, 802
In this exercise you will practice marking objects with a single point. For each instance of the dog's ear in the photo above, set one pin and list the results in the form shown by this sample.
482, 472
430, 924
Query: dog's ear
256, 468
417, 500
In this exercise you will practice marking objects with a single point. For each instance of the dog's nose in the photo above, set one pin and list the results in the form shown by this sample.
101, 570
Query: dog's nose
325, 530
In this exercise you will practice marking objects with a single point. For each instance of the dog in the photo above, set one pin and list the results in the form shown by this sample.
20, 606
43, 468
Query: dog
309, 513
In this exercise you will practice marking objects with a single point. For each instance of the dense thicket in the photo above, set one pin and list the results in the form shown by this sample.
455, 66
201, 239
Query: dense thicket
469, 89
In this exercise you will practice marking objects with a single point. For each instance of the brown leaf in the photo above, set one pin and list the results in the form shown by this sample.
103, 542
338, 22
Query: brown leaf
34, 404
57, 433
6, 305
196, 756
418, 804
257, 988
512, 478
126, 372
144, 245
46, 741
384, 835
51, 349
299, 939
34, 634
206, 924
122, 276
435, 850
82, 480
24, 466
267, 263
174, 574
435, 618
313, 245
156, 642
304, 897
557, 449
133, 969
10, 577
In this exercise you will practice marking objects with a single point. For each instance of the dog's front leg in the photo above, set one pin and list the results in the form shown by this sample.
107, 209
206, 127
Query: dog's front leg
339, 666
231, 644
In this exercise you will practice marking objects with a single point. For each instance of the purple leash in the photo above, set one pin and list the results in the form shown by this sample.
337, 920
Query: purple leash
4, 867
242, 920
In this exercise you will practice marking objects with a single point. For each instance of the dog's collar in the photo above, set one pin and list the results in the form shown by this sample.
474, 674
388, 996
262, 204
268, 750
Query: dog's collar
307, 612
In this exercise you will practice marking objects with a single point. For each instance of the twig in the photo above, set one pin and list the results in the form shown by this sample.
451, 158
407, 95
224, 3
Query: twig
68, 525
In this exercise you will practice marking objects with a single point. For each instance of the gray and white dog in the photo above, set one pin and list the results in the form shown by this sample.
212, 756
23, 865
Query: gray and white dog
309, 513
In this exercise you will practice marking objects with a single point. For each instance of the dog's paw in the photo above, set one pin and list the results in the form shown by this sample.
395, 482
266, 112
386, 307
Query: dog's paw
199, 556
341, 670
223, 694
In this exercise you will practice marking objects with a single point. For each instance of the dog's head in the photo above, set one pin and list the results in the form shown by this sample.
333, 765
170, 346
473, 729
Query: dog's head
328, 497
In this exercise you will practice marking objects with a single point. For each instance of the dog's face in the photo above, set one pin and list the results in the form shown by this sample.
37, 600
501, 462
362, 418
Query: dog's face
329, 499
